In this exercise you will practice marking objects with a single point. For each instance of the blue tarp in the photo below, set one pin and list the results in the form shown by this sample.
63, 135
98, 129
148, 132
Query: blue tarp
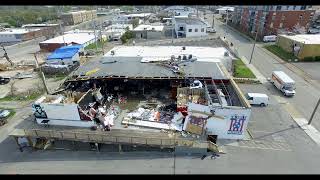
64, 52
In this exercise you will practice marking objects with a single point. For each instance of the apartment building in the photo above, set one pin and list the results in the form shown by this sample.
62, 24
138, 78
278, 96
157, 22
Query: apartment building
77, 17
270, 20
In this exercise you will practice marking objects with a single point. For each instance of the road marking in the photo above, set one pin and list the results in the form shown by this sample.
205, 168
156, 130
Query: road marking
312, 132
270, 145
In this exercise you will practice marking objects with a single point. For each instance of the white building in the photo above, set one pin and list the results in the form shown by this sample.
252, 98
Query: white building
224, 10
17, 35
83, 39
181, 10
189, 27
148, 31
115, 31
127, 18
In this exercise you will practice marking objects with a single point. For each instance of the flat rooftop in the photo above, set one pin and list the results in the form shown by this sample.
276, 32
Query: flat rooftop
39, 25
141, 15
149, 28
190, 21
18, 31
305, 38
206, 54
79, 38
131, 67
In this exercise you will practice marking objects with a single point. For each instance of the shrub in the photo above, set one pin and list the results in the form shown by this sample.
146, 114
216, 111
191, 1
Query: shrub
317, 58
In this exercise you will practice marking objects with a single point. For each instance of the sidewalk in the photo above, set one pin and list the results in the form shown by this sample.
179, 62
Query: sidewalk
254, 70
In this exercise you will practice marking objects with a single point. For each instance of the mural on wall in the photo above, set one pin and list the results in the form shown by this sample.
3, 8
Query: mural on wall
38, 111
236, 124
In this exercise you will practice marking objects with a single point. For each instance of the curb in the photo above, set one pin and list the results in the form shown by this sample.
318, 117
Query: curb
246, 80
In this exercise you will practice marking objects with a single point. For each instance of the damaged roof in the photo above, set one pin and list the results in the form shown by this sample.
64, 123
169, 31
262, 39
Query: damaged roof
131, 67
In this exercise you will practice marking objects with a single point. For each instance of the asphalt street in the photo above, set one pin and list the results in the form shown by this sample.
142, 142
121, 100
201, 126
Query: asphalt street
307, 93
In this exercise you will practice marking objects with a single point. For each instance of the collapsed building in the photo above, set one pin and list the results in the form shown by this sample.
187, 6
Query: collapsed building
134, 94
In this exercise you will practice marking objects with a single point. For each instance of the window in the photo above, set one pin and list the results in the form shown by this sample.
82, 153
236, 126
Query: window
190, 30
280, 25
303, 7
202, 29
181, 28
271, 25
196, 30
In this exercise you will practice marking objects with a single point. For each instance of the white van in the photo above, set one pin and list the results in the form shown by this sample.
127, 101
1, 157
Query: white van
271, 38
257, 99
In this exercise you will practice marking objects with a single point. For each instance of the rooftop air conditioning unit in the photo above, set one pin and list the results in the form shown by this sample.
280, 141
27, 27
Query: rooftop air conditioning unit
173, 58
183, 48
190, 56
184, 57
226, 53
112, 53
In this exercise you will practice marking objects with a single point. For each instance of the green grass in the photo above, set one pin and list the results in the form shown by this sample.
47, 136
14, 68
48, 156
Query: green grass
281, 53
241, 70
32, 96
93, 45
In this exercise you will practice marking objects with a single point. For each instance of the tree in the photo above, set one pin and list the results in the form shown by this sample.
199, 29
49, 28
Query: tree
126, 36
134, 22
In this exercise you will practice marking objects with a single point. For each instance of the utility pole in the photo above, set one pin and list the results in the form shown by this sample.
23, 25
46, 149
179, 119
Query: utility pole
41, 73
102, 41
254, 45
212, 20
172, 28
95, 35
314, 111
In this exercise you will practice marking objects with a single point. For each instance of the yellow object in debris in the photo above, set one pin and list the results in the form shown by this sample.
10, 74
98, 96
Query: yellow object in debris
92, 71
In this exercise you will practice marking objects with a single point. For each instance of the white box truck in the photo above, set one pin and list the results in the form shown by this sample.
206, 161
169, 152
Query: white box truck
283, 82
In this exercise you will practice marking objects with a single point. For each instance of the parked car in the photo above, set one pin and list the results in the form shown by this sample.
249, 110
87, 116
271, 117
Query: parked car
4, 80
257, 99
313, 31
210, 30
4, 114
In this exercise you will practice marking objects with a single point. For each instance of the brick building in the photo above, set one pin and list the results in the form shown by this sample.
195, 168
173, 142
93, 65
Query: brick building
270, 20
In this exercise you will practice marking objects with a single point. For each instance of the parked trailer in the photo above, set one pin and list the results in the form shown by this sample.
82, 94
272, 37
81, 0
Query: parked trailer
283, 82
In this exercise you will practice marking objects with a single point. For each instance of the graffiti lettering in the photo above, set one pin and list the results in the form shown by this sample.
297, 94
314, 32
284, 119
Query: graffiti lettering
236, 124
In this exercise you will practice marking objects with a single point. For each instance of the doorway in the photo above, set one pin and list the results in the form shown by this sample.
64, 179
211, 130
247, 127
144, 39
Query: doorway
212, 138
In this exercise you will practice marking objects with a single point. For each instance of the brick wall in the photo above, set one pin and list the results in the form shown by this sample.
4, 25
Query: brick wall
291, 18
